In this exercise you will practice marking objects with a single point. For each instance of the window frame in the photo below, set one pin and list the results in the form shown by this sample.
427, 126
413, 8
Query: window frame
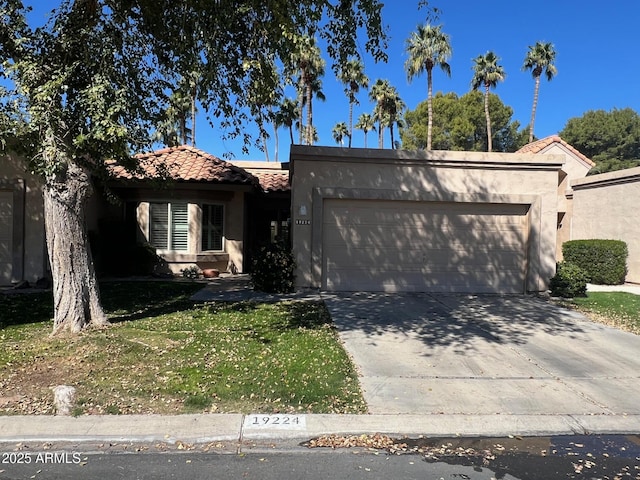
170, 226
204, 230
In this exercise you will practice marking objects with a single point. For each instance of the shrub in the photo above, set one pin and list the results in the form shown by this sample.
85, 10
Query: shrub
273, 269
191, 272
604, 261
569, 281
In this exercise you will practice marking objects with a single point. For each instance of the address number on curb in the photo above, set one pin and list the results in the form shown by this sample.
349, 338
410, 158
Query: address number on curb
280, 422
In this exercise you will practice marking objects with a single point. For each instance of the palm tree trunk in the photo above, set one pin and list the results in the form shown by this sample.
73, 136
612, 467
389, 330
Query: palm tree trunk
365, 138
309, 115
486, 114
533, 109
393, 144
193, 115
429, 108
291, 132
380, 135
350, 119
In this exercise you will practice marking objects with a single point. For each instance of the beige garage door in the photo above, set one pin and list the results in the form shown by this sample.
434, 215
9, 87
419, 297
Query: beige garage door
372, 245
6, 237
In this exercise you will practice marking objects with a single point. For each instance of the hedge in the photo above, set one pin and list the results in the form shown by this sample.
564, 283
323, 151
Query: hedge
604, 261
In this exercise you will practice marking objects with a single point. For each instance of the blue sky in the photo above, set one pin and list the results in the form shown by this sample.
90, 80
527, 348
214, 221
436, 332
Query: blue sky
597, 60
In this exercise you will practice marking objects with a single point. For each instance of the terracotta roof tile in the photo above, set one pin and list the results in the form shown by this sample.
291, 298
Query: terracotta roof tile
541, 145
274, 182
184, 163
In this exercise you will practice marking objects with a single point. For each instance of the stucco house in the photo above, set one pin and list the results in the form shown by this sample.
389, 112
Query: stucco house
363, 219
604, 206
576, 166
443, 221
211, 213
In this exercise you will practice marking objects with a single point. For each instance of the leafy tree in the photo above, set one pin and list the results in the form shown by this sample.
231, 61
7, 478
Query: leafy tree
487, 73
427, 48
353, 76
91, 85
539, 59
339, 131
366, 123
611, 139
460, 124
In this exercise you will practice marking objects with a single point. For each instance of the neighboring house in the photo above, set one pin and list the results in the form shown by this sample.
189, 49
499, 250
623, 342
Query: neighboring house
576, 166
440, 221
22, 241
211, 213
603, 207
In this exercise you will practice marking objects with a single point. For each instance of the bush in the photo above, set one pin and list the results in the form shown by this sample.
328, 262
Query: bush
273, 269
569, 281
604, 261
192, 272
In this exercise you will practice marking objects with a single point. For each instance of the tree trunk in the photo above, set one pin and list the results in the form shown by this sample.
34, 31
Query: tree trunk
309, 115
291, 133
275, 135
486, 114
533, 109
193, 115
429, 109
350, 120
76, 298
365, 138
380, 135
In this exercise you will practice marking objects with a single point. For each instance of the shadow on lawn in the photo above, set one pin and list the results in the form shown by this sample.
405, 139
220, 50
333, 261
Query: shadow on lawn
129, 301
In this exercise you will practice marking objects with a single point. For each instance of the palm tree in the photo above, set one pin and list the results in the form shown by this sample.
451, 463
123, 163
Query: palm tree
352, 75
287, 115
540, 58
366, 123
381, 92
310, 67
394, 108
487, 73
339, 131
427, 48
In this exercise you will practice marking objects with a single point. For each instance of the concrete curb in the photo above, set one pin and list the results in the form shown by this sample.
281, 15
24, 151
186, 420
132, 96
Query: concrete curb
236, 427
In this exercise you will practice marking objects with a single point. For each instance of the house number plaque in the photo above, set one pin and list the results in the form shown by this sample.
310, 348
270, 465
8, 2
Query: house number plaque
303, 222
280, 422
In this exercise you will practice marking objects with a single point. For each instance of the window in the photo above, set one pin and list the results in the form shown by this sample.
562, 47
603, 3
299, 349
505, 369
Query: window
212, 227
169, 226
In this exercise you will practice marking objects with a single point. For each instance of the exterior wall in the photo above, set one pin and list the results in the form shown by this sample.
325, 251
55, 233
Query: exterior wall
28, 244
603, 207
229, 260
324, 172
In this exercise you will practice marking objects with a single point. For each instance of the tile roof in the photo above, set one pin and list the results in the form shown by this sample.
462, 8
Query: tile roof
184, 163
539, 146
274, 182
273, 176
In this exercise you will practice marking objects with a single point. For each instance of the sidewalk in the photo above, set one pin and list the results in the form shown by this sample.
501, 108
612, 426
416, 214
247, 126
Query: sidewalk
627, 287
237, 428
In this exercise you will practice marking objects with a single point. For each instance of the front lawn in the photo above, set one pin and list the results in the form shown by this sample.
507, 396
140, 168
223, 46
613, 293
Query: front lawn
163, 354
618, 309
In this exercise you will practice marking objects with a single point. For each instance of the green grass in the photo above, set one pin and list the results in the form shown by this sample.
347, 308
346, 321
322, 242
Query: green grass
619, 309
163, 354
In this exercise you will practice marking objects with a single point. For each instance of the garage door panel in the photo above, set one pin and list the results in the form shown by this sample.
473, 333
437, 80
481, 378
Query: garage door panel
423, 246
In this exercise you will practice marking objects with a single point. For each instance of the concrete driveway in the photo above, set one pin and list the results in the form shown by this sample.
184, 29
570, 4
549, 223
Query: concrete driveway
485, 354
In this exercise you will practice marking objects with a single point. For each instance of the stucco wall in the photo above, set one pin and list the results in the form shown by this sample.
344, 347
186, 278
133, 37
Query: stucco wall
604, 207
29, 257
231, 259
425, 176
